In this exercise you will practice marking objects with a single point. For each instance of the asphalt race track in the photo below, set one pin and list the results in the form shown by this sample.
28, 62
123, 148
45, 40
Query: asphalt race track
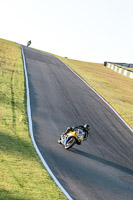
102, 167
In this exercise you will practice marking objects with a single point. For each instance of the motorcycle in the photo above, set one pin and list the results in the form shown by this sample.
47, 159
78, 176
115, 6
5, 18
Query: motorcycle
71, 138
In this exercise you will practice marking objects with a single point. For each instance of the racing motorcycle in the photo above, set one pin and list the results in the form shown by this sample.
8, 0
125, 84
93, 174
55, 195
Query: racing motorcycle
71, 138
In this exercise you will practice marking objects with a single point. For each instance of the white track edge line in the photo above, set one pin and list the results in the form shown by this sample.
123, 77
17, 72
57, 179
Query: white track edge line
32, 135
98, 95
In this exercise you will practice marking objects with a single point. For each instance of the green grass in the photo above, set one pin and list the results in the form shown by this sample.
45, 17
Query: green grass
22, 175
115, 88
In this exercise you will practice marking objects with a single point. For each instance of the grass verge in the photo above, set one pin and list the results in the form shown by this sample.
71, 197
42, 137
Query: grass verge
22, 175
115, 88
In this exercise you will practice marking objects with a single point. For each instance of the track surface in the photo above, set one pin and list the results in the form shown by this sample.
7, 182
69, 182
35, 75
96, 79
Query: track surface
102, 167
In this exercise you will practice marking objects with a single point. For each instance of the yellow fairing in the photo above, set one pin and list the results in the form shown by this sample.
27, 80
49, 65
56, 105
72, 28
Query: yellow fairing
76, 135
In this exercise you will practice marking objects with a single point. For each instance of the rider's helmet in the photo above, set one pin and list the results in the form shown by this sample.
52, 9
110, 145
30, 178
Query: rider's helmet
86, 127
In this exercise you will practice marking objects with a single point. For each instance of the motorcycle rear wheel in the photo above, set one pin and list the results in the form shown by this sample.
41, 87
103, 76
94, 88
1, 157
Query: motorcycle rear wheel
71, 141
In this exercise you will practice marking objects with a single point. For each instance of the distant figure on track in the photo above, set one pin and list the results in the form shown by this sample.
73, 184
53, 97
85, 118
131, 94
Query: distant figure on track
29, 43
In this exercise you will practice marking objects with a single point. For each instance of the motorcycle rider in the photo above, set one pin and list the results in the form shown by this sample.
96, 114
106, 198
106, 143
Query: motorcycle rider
84, 128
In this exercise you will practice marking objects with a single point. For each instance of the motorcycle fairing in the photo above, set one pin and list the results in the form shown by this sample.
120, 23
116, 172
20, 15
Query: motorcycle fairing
78, 134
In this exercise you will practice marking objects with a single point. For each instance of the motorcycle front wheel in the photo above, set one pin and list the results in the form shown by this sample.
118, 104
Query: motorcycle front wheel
71, 141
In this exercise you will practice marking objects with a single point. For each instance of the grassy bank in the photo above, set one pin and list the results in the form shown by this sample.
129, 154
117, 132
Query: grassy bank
22, 175
115, 88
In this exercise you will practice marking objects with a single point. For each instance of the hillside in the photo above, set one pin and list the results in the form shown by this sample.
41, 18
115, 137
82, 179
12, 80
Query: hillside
115, 88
